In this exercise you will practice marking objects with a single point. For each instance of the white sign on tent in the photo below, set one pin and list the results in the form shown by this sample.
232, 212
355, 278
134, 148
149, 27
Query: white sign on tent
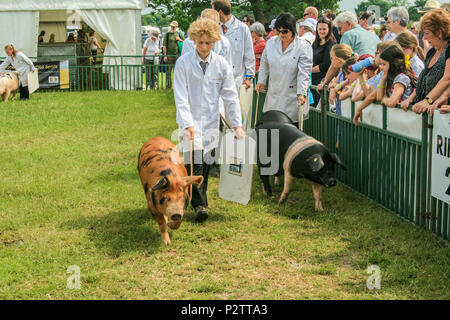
440, 157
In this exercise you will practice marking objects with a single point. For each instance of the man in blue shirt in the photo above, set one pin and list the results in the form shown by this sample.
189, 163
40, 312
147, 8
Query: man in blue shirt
361, 40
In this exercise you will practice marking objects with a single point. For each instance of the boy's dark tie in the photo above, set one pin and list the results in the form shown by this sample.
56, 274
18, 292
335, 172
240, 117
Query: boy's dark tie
204, 65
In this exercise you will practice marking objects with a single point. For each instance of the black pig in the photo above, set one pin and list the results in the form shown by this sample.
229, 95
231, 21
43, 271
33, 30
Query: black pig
299, 156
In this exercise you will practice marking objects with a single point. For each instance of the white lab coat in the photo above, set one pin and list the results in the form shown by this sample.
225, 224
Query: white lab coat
22, 64
288, 74
222, 48
242, 52
197, 99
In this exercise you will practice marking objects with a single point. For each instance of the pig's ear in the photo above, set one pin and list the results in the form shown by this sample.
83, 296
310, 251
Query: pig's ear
162, 183
337, 160
198, 180
315, 162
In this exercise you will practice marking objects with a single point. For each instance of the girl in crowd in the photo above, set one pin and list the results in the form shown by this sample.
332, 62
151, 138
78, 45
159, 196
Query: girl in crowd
412, 51
340, 53
372, 96
321, 53
23, 66
398, 80
362, 82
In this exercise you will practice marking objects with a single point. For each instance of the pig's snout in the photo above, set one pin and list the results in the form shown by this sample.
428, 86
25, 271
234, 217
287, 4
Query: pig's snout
176, 217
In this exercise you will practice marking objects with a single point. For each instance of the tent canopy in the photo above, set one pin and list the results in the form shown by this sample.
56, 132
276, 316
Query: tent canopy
116, 21
43, 5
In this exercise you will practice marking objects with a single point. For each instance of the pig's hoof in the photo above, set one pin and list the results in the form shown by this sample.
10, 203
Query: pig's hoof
282, 198
319, 208
165, 239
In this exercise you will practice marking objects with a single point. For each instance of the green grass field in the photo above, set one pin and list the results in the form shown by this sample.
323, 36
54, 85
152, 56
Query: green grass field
71, 195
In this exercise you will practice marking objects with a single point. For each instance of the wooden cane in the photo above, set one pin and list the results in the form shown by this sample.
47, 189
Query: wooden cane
192, 168
256, 109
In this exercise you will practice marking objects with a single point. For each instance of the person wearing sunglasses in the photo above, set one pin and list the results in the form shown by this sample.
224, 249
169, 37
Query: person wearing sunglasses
311, 12
286, 65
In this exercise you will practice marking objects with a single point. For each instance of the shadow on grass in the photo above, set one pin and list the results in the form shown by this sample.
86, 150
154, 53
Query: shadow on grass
121, 232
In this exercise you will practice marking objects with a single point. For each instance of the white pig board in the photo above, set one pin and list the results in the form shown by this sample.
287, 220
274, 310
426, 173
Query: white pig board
236, 170
246, 100
33, 81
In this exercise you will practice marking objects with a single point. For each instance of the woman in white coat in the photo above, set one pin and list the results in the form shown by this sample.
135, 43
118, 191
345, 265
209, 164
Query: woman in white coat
287, 62
202, 77
23, 66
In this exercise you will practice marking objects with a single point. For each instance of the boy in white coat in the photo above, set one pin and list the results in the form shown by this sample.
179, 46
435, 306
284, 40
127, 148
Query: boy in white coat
202, 77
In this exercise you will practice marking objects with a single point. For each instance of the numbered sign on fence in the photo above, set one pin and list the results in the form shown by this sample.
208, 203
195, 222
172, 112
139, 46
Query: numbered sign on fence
440, 157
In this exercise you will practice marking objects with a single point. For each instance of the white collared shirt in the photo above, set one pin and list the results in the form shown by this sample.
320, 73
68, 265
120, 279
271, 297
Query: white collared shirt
22, 64
197, 99
242, 52
152, 48
288, 73
222, 48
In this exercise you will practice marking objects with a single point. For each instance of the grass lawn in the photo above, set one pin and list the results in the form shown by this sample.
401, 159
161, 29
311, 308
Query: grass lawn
71, 195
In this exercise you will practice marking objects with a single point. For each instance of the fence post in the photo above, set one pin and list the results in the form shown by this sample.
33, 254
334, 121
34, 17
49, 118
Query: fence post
423, 171
324, 107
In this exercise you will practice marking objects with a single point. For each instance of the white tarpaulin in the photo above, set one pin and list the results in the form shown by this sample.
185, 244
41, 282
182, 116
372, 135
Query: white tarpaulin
19, 29
44, 5
440, 157
115, 27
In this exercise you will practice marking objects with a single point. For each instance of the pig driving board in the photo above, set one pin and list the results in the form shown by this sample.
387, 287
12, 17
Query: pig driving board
236, 170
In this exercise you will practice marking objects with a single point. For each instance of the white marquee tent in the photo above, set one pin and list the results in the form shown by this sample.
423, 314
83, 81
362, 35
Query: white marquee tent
116, 21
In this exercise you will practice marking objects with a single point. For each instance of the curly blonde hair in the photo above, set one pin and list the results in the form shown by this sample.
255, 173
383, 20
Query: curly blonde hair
204, 27
435, 21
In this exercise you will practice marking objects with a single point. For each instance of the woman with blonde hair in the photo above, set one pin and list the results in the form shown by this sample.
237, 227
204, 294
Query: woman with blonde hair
23, 66
413, 53
203, 77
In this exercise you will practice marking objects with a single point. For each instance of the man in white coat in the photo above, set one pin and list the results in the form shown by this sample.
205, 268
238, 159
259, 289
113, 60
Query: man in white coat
244, 62
202, 77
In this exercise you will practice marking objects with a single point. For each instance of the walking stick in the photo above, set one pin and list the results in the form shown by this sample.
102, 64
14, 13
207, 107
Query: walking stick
256, 109
300, 110
192, 169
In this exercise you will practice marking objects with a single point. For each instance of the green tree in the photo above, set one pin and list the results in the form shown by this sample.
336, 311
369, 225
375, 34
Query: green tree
186, 11
383, 5
413, 14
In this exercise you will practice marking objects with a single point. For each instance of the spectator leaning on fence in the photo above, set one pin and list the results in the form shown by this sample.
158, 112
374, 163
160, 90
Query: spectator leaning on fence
23, 66
287, 64
362, 82
413, 52
398, 80
202, 77
321, 53
221, 47
361, 41
435, 78
259, 44
372, 96
241, 43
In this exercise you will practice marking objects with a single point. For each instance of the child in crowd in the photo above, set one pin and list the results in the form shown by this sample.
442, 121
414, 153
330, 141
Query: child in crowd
412, 51
360, 84
201, 77
372, 96
398, 80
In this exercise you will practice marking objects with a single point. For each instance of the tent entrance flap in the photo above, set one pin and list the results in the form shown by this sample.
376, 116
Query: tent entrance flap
118, 28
